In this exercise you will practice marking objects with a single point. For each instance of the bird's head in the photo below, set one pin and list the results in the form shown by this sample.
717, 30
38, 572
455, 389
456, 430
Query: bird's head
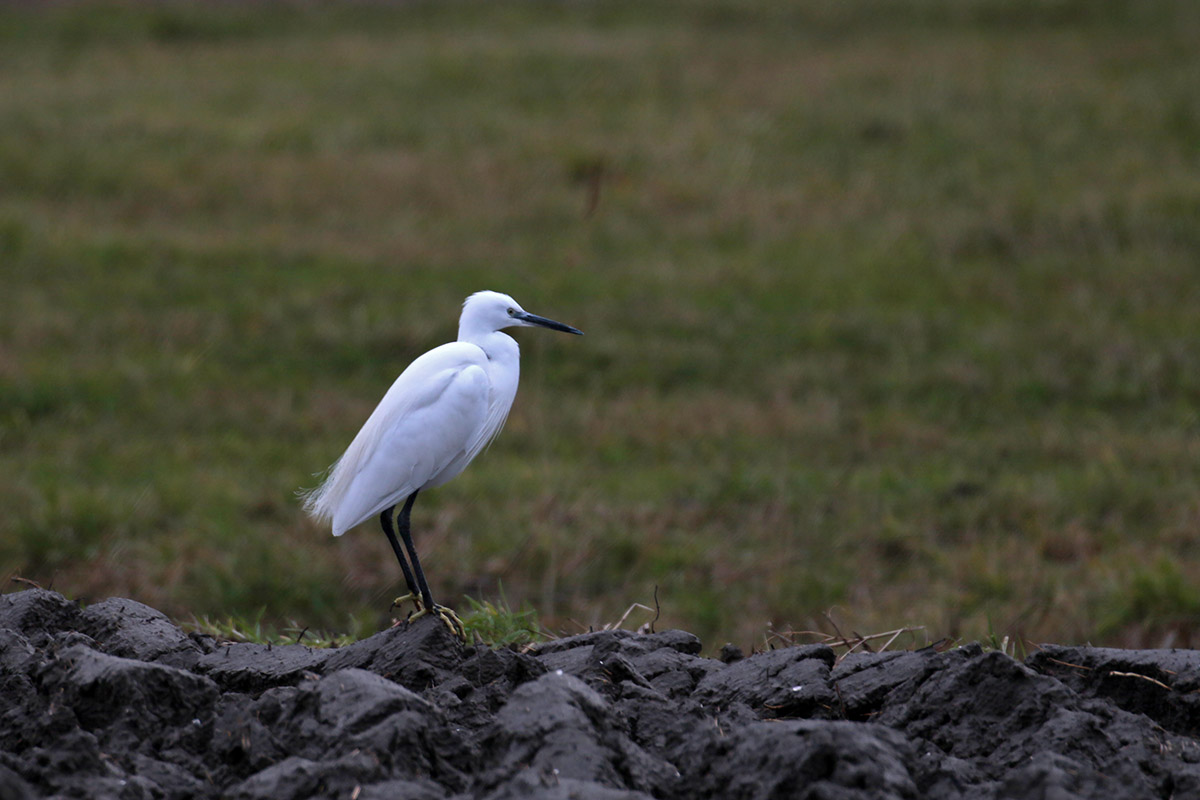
485, 312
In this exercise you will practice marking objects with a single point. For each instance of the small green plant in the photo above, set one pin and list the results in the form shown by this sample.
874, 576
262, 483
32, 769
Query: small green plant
500, 626
1012, 646
1008, 645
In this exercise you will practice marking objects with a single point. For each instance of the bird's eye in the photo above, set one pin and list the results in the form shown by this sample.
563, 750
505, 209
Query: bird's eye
511, 311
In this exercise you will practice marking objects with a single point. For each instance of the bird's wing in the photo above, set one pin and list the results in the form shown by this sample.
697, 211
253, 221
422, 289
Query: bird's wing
493, 423
416, 445
490, 424
424, 422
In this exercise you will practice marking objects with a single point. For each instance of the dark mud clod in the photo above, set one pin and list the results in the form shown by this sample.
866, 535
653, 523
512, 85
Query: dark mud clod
116, 701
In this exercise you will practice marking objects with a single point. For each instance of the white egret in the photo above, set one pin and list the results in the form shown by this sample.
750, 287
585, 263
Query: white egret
438, 415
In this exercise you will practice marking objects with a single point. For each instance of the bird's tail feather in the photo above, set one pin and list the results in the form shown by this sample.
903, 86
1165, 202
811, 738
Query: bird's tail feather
316, 500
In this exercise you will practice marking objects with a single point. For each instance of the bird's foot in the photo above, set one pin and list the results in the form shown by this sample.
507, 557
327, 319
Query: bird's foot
446, 615
409, 597
414, 598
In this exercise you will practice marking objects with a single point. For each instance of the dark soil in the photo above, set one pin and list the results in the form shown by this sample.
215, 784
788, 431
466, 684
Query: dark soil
115, 701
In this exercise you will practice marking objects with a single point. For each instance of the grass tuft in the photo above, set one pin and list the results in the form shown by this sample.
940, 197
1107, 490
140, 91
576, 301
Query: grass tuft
497, 625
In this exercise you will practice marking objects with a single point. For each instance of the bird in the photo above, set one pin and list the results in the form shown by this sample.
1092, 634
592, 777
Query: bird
442, 411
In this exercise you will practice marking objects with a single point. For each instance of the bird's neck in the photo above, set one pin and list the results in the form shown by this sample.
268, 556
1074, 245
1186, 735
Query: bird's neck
499, 347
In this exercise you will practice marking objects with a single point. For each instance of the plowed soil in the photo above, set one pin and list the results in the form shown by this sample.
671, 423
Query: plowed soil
116, 701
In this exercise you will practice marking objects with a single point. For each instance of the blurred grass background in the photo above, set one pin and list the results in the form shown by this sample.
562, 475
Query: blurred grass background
892, 306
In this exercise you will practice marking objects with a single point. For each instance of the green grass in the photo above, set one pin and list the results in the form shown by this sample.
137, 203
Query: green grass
494, 624
252, 629
891, 306
497, 625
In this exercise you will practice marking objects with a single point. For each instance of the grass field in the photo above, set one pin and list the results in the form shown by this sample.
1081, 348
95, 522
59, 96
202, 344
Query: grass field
892, 308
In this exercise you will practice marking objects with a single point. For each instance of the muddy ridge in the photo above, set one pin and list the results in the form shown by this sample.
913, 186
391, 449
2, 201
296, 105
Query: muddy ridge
116, 701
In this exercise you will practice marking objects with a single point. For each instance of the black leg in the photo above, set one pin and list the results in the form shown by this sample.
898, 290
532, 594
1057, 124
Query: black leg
402, 524
385, 519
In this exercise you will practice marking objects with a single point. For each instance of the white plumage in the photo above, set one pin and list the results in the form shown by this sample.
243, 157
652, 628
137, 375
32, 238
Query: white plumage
429, 425
437, 416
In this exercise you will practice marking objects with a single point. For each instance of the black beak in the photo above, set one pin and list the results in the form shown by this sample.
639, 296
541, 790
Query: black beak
534, 319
